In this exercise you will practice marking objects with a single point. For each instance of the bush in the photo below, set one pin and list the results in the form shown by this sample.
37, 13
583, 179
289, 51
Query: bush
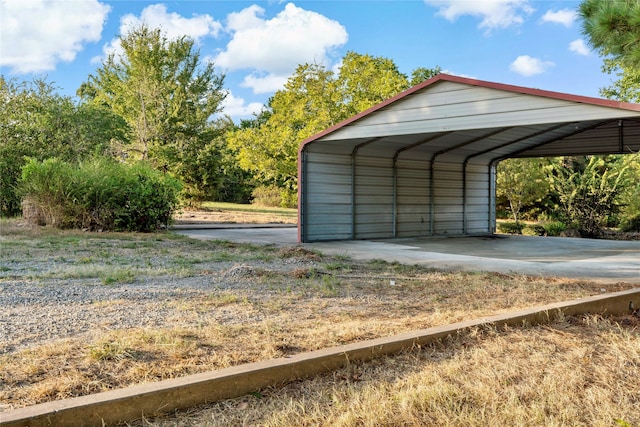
100, 194
630, 216
630, 224
539, 230
10, 165
510, 227
554, 228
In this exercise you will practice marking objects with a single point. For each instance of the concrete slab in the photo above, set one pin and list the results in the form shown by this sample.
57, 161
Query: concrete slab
263, 235
597, 260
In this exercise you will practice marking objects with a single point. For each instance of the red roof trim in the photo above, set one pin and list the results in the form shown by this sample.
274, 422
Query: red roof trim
500, 86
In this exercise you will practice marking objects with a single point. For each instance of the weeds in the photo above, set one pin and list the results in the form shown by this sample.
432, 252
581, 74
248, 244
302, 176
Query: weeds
118, 276
112, 351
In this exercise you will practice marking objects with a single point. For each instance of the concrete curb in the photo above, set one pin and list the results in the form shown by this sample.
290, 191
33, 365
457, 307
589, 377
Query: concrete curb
161, 397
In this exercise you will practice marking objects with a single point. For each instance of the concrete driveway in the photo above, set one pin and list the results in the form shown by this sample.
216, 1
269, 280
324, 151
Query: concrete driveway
598, 260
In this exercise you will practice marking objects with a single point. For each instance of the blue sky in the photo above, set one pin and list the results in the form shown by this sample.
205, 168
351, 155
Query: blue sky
258, 44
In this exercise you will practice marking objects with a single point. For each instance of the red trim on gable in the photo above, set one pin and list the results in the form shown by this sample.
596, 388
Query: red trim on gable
472, 82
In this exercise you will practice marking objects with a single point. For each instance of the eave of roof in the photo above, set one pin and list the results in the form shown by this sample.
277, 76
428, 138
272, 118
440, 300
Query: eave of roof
473, 82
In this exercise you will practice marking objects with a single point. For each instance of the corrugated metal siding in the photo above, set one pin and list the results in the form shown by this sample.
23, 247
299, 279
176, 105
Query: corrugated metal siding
326, 212
477, 218
328, 208
456, 106
447, 199
412, 198
373, 197
425, 164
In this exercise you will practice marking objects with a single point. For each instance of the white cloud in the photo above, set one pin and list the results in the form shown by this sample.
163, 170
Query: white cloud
172, 25
273, 48
35, 35
527, 66
236, 108
580, 47
495, 14
264, 84
564, 17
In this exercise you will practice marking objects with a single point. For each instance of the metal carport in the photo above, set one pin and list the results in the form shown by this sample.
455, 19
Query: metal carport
423, 162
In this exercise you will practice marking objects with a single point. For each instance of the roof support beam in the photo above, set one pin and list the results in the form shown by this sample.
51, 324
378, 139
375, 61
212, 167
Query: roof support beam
540, 144
524, 138
302, 199
621, 135
491, 208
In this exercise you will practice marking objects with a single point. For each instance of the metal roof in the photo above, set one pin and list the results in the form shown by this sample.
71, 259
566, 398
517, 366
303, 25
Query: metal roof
467, 120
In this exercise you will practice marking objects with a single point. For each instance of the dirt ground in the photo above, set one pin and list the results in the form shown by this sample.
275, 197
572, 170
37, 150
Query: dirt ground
230, 217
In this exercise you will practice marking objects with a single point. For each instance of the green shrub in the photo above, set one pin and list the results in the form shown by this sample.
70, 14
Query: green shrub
630, 224
554, 228
49, 189
510, 227
100, 194
630, 216
539, 230
10, 165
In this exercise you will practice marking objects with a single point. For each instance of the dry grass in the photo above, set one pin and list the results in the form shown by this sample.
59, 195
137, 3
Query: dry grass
277, 302
575, 372
214, 212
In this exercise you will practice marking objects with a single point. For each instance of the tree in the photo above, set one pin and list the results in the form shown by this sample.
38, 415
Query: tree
365, 81
627, 87
630, 195
37, 122
613, 27
313, 99
421, 74
162, 91
589, 189
522, 182
268, 146
212, 172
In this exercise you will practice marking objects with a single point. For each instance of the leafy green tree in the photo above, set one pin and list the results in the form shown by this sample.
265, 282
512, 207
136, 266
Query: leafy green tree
163, 92
37, 122
627, 87
268, 145
589, 190
212, 172
365, 81
521, 182
630, 197
613, 27
421, 74
313, 99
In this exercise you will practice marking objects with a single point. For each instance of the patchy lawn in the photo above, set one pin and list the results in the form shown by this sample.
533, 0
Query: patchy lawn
88, 312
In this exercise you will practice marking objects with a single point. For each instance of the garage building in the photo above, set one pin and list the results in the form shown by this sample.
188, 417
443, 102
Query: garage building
423, 162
